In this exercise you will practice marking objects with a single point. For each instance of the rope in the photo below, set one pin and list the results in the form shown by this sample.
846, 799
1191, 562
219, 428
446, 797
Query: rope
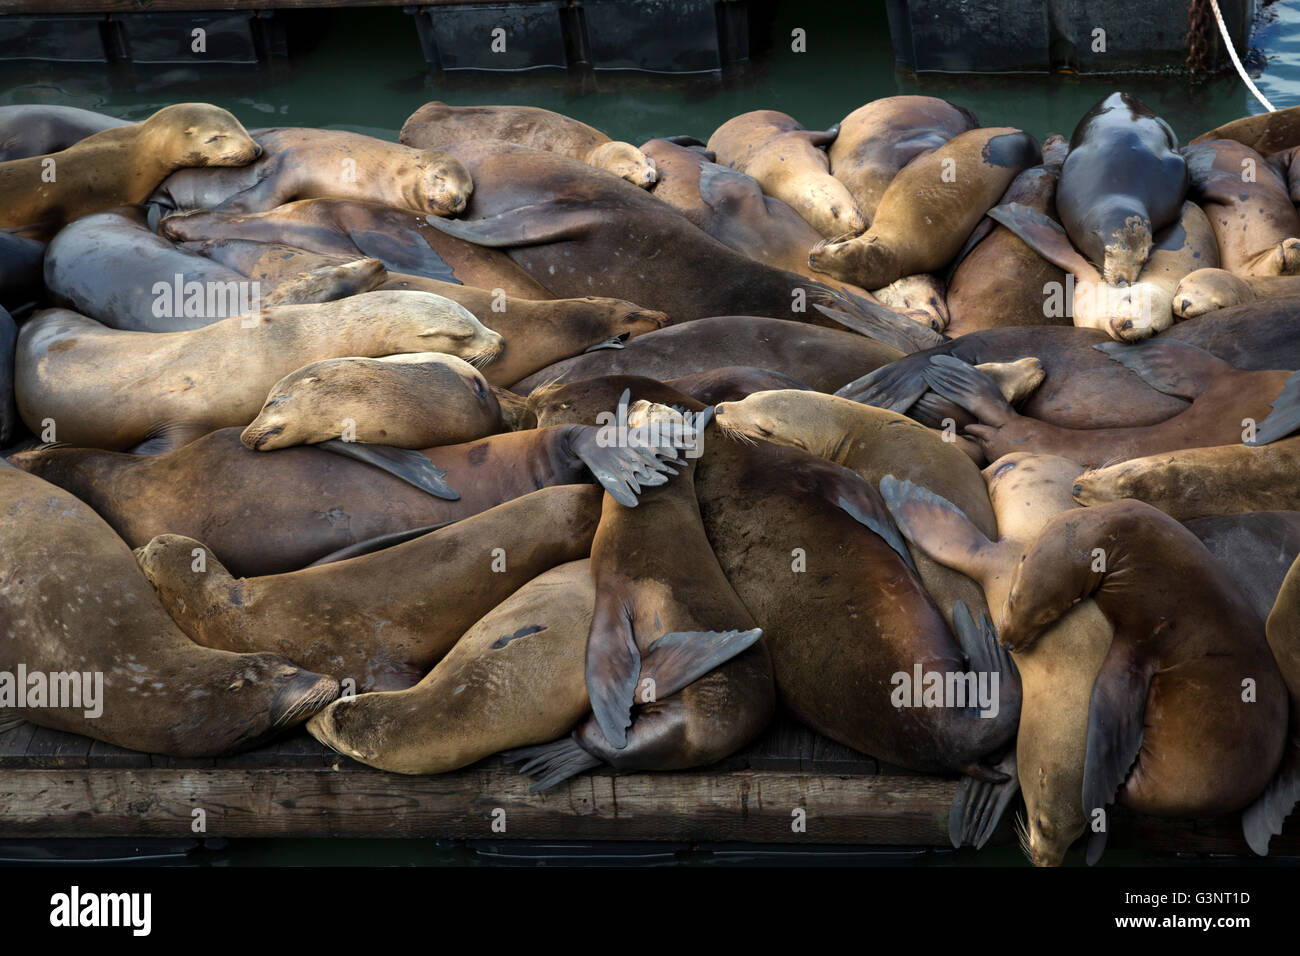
1227, 43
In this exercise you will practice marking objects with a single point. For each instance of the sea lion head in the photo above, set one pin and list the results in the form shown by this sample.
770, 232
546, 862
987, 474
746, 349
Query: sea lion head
919, 297
1028, 490
864, 260
618, 318
1124, 237
787, 417
1207, 290
626, 162
329, 283
443, 186
200, 134
446, 326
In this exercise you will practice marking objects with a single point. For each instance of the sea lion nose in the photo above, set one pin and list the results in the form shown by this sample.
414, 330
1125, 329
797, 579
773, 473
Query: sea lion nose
1077, 490
257, 151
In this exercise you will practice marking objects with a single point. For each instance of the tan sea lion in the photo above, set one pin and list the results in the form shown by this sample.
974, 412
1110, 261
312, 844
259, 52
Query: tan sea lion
1188, 713
1056, 673
1263, 132
413, 400
73, 600
436, 124
790, 163
515, 678
877, 140
1249, 207
324, 164
1207, 290
119, 166
930, 208
184, 384
381, 619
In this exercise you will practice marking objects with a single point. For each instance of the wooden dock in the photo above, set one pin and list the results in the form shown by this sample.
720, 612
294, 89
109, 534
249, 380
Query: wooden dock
62, 785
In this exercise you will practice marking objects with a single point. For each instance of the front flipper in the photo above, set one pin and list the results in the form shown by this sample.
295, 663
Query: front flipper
169, 437
1285, 416
405, 463
1263, 819
978, 807
935, 525
531, 225
855, 496
617, 342
1174, 368
622, 469
1046, 237
874, 320
378, 543
970, 388
1115, 714
895, 387
821, 138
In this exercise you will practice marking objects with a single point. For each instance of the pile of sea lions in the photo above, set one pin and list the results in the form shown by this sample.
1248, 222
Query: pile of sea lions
971, 452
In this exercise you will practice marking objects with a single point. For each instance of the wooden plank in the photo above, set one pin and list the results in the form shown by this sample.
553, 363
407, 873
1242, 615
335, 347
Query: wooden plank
104, 756
50, 749
209, 6
13, 745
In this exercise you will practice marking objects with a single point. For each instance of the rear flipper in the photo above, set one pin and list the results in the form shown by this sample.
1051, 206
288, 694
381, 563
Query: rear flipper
1174, 368
895, 387
549, 764
978, 807
1285, 416
405, 463
1263, 819
935, 525
874, 320
970, 388
855, 496
169, 437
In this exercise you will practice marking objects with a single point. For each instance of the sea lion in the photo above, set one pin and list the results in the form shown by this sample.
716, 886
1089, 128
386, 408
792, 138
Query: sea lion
324, 164
111, 268
1188, 712
954, 185
572, 231
414, 400
1057, 673
306, 502
1222, 399
1263, 132
877, 140
184, 383
1128, 312
675, 671
822, 358
730, 383
1248, 206
402, 240
119, 166
382, 619
921, 297
790, 163
1200, 482
1207, 290
1123, 181
40, 128
1256, 550
10, 423
515, 678
72, 599
436, 124
21, 281
998, 280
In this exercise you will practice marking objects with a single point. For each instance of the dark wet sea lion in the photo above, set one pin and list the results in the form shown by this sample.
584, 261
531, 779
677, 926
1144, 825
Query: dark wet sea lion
436, 124
790, 163
73, 599
1188, 712
955, 184
1256, 550
402, 240
305, 502
381, 619
117, 167
731, 383
1123, 181
39, 128
21, 279
822, 358
877, 140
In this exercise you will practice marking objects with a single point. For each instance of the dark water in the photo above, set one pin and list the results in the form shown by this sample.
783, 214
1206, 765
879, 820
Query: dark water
365, 72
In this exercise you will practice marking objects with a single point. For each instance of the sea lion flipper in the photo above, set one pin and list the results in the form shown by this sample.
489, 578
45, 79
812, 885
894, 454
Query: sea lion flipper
378, 543
1263, 819
622, 469
970, 388
9, 721
934, 524
981, 230
931, 409
613, 667
978, 807
405, 463
855, 496
551, 763
874, 320
1045, 236
1115, 714
894, 387
9, 421
683, 657
1174, 368
1285, 416
531, 225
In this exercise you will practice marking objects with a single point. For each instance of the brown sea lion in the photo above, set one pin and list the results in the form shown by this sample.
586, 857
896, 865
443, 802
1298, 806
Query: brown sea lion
1056, 673
1207, 290
1223, 400
877, 140
381, 619
1256, 550
1188, 712
307, 503
402, 240
73, 600
436, 124
730, 383
822, 358
930, 208
413, 400
118, 166
184, 384
1263, 132
1123, 181
39, 128
790, 163
1248, 206
324, 164
515, 678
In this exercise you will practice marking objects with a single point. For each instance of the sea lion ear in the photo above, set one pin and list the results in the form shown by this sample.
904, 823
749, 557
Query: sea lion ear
1285, 416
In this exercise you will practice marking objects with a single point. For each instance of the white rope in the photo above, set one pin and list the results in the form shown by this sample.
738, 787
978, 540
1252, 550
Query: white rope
1227, 42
